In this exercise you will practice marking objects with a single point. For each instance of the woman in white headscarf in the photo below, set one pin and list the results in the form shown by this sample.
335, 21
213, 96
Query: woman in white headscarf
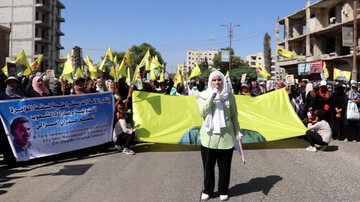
218, 133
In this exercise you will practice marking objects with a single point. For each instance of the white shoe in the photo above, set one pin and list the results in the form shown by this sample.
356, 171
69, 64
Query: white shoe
354, 141
224, 197
311, 148
346, 140
205, 197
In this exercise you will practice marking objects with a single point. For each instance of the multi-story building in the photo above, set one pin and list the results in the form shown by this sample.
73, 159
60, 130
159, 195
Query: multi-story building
35, 28
252, 59
316, 33
200, 56
4, 44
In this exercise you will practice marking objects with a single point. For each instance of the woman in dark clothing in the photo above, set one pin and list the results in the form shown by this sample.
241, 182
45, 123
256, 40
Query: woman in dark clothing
12, 91
337, 112
311, 100
323, 101
38, 88
55, 87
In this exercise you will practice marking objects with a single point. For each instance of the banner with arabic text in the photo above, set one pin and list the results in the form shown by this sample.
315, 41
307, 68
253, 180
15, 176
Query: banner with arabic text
40, 127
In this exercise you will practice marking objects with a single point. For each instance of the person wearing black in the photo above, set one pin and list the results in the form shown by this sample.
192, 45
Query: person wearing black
338, 103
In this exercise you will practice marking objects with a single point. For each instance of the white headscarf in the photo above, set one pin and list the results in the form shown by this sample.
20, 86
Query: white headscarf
215, 121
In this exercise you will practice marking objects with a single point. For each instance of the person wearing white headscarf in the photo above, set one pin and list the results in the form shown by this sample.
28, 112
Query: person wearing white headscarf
218, 108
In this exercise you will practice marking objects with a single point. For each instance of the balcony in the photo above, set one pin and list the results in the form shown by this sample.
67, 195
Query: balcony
60, 5
60, 19
42, 38
58, 32
59, 46
44, 7
43, 23
45, 52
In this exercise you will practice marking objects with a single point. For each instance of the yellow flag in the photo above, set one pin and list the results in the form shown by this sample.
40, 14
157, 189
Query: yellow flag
340, 75
34, 66
21, 62
128, 78
4, 69
146, 60
113, 71
125, 63
178, 79
162, 74
79, 73
196, 71
261, 71
325, 70
155, 68
92, 69
137, 79
108, 57
68, 70
283, 52
155, 63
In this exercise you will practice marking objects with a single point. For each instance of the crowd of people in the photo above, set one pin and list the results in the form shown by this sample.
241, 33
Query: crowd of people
306, 98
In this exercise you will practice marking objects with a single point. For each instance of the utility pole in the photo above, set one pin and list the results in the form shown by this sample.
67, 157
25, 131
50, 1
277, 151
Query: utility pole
354, 69
230, 30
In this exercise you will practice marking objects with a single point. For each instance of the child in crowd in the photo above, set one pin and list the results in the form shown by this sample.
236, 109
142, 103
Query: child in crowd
319, 131
122, 134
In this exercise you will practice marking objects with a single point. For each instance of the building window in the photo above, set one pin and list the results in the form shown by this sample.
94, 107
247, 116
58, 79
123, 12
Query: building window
189, 58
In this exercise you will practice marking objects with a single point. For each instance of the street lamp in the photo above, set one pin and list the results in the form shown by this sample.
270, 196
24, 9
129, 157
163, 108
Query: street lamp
230, 30
354, 71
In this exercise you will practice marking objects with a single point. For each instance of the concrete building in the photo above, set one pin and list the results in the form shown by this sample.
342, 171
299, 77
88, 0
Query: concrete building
35, 28
316, 33
200, 56
4, 44
252, 59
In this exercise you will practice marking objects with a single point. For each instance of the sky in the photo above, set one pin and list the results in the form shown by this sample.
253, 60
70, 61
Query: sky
171, 26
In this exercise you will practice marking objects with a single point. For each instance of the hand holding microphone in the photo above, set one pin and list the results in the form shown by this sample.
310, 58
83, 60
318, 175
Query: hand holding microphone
215, 91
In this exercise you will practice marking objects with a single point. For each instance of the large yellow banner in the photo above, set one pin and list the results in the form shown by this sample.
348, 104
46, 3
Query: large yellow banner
175, 119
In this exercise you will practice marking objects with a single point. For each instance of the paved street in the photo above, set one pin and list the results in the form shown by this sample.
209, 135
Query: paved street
274, 171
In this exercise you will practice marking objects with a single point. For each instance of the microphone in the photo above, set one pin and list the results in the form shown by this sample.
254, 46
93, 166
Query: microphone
215, 91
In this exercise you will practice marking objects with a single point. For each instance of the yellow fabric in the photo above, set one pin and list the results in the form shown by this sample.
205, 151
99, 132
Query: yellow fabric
165, 119
145, 61
125, 63
263, 72
178, 77
79, 73
68, 70
341, 75
162, 74
137, 79
113, 72
34, 66
108, 57
284, 52
4, 69
92, 69
326, 72
196, 71
155, 65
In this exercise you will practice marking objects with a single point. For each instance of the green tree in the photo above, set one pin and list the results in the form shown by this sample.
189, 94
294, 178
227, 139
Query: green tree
137, 53
204, 65
235, 74
205, 74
